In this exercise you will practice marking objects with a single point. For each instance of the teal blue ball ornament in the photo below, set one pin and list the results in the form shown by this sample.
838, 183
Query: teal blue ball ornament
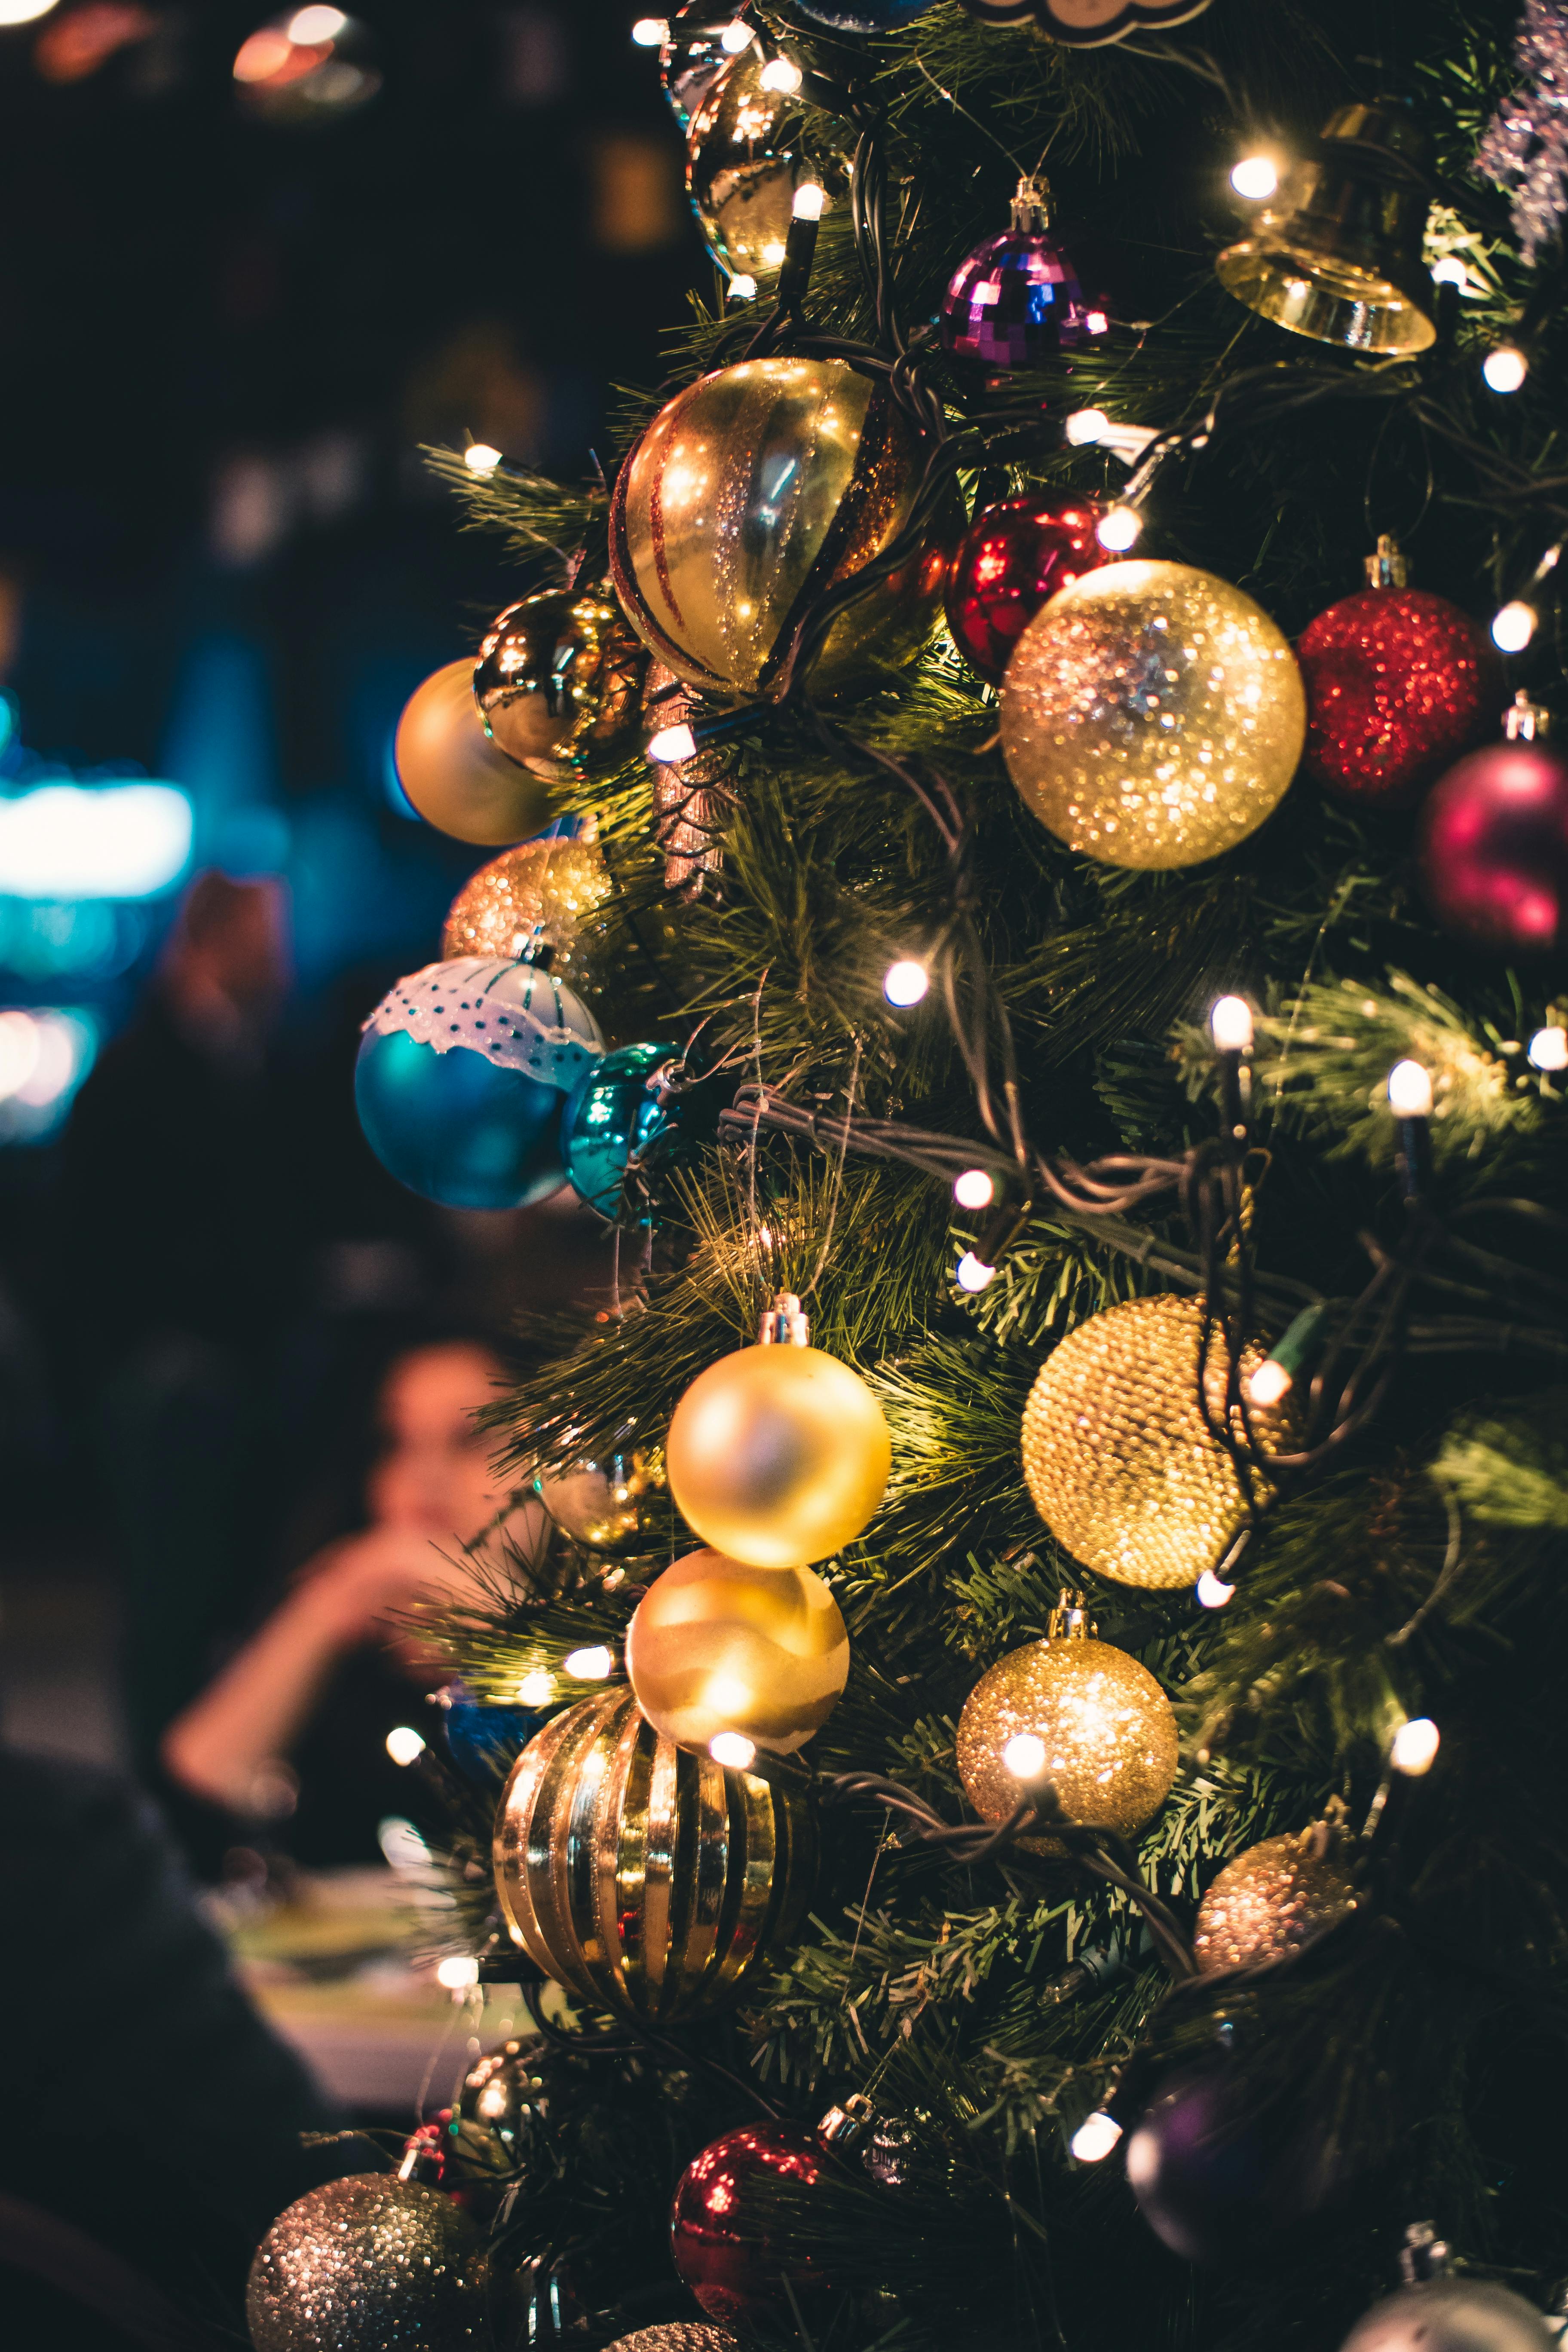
623, 1115
462, 1077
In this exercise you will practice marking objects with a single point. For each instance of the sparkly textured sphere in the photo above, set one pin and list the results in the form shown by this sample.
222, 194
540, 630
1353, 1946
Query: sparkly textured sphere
754, 488
1215, 2172
367, 2264
1117, 1458
543, 895
1010, 561
605, 1504
778, 1456
624, 1115
1017, 302
1105, 1725
726, 2244
1397, 682
455, 776
718, 1646
1152, 715
864, 16
557, 679
1494, 849
1452, 2315
747, 150
676, 2335
462, 1077
1271, 1901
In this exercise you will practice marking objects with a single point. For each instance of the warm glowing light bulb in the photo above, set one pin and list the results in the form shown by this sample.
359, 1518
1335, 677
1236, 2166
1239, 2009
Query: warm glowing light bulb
651, 32
403, 1744
1118, 529
735, 37
782, 74
974, 1189
1409, 1091
1230, 1025
1213, 1591
1514, 626
311, 26
1094, 2137
480, 458
670, 746
22, 12
1415, 1748
594, 1666
1505, 369
1085, 425
536, 1690
743, 288
905, 983
972, 1273
1268, 1384
733, 1748
456, 1973
1450, 271
1254, 177
1548, 1049
810, 201
1025, 1756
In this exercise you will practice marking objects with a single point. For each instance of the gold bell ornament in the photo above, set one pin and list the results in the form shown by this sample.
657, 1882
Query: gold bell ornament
536, 904
778, 1455
1337, 255
1075, 1712
459, 781
732, 1658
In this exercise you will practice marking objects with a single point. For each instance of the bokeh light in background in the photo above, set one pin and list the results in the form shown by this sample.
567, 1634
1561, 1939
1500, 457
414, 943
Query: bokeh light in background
45, 1055
305, 67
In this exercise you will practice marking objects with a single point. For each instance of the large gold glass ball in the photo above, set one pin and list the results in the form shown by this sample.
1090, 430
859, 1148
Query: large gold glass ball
718, 1646
557, 678
1116, 1455
747, 148
453, 774
1081, 1715
752, 490
544, 894
1152, 715
1269, 1902
778, 1456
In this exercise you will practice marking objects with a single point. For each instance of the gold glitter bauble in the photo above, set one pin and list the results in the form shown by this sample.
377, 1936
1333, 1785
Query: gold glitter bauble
778, 1456
1270, 1901
367, 2264
676, 2335
454, 775
718, 1646
557, 679
647, 1880
1152, 715
544, 894
747, 148
753, 489
1118, 1461
1087, 1718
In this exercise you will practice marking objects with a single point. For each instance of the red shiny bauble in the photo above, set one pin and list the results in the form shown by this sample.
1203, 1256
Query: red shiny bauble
1494, 849
728, 2223
1012, 558
1398, 683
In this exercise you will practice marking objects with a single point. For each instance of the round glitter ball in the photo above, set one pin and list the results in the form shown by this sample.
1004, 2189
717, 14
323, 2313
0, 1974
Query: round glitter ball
1398, 683
1118, 1461
1107, 1728
676, 2335
1152, 715
544, 894
367, 2264
1270, 1901
1017, 302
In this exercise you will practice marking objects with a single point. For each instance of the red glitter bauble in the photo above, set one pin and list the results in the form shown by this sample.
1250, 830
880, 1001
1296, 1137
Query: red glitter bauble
1012, 558
1398, 683
728, 2215
1494, 849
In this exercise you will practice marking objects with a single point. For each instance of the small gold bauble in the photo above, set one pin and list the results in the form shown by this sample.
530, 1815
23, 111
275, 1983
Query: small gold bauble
1271, 1901
541, 895
748, 148
1152, 715
1116, 1455
605, 1504
365, 2262
454, 775
557, 679
758, 487
678, 2336
1076, 1713
718, 1646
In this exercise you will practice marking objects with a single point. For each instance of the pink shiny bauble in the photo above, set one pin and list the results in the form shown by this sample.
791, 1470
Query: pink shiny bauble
1494, 848
725, 2233
1013, 557
1397, 683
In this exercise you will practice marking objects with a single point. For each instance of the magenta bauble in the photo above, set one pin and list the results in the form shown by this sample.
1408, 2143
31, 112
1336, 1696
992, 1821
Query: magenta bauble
1494, 849
1011, 561
1398, 683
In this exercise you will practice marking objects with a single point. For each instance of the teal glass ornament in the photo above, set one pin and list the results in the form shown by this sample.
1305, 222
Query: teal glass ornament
462, 1077
621, 1113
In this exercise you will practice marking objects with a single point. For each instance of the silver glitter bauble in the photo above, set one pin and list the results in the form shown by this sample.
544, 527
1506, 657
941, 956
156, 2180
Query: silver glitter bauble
679, 2335
367, 2264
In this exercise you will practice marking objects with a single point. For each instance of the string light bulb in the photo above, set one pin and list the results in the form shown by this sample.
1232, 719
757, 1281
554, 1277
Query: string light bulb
783, 75
1085, 427
735, 37
480, 458
972, 1273
1450, 271
810, 201
1409, 1091
1514, 627
1119, 529
536, 1690
651, 32
593, 1665
1415, 1746
456, 1973
403, 1744
1268, 1384
1230, 1025
1213, 1591
975, 1189
905, 983
1548, 1049
742, 288
1025, 1756
1504, 369
734, 1749
670, 746
1094, 2137
1256, 177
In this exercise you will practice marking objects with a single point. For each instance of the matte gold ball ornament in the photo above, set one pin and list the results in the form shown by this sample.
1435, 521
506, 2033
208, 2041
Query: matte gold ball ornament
716, 1647
1118, 1461
778, 1455
539, 902
1152, 715
459, 781
557, 679
1076, 1713
1273, 1900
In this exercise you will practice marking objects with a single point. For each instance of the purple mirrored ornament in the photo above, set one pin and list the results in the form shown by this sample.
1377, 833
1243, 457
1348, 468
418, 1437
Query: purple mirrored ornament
1015, 301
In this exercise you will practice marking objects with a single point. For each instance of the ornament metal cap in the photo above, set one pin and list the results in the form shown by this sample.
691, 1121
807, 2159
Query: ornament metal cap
1424, 2255
1070, 1620
1032, 205
845, 2126
1387, 568
785, 1325
1525, 720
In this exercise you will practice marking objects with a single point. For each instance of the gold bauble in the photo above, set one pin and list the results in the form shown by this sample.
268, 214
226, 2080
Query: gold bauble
365, 2262
606, 1504
557, 679
747, 150
753, 489
778, 1456
718, 1646
1118, 1461
454, 775
541, 895
1152, 715
647, 1880
1089, 1720
1271, 1901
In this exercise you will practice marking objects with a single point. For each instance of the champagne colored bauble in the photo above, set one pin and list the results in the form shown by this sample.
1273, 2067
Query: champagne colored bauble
1453, 2315
557, 679
1117, 1458
648, 1881
752, 491
606, 1504
747, 150
1152, 715
676, 2335
1105, 1725
718, 1646
1271, 1901
538, 902
455, 776
778, 1456
365, 2263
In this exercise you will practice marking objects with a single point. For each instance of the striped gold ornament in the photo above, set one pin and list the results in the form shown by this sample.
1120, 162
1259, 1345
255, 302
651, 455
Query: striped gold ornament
647, 1880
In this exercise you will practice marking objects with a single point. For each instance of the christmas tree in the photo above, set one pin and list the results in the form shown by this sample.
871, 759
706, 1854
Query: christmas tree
1034, 1785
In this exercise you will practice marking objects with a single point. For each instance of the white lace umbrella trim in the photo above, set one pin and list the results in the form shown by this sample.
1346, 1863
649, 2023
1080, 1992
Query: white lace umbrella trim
512, 1013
